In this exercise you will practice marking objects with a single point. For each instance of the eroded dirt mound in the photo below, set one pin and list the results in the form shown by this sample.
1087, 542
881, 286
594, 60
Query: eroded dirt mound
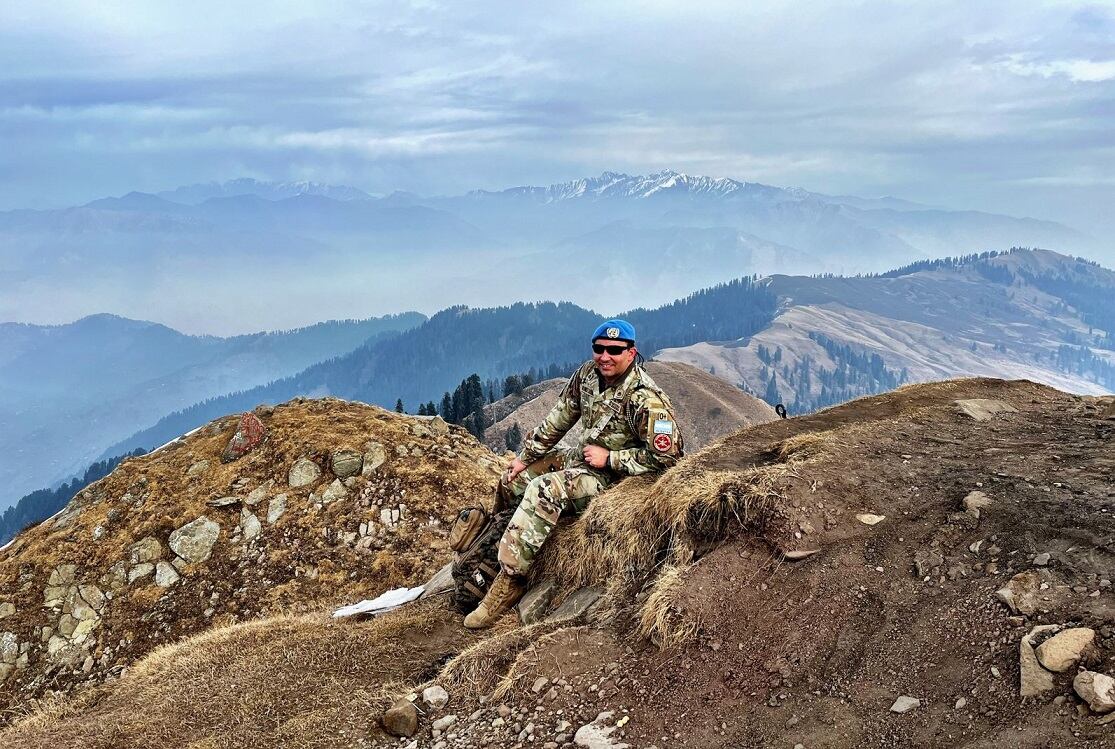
707, 407
835, 580
339, 502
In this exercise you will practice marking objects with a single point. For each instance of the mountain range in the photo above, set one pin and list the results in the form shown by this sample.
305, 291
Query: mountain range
337, 251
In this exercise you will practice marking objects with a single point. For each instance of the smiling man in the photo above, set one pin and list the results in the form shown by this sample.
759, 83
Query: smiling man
629, 428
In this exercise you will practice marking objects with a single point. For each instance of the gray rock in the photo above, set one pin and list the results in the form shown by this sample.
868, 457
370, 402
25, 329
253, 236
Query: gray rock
335, 491
224, 501
983, 409
165, 574
534, 605
1061, 651
63, 574
438, 426
442, 723
905, 704
197, 468
140, 570
1041, 560
276, 507
346, 463
1097, 689
975, 502
435, 696
1023, 593
576, 605
6, 609
147, 550
374, 457
259, 494
1033, 679
303, 473
194, 541
249, 524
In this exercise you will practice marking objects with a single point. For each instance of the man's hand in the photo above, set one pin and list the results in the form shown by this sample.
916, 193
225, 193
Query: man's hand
596, 456
517, 466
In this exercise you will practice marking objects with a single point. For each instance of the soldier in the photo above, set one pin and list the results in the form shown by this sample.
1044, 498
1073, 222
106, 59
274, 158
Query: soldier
628, 428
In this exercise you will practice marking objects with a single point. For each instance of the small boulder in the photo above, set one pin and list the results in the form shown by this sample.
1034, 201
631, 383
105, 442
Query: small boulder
303, 473
435, 696
1060, 652
259, 494
165, 574
249, 524
905, 704
147, 550
1097, 689
1042, 560
140, 570
534, 605
228, 501
975, 502
335, 491
1023, 593
983, 409
194, 540
868, 518
346, 463
6, 609
443, 722
401, 719
374, 456
1033, 679
249, 434
439, 426
197, 468
276, 507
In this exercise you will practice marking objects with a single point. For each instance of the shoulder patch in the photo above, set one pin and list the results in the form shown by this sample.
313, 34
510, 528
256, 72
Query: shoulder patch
663, 426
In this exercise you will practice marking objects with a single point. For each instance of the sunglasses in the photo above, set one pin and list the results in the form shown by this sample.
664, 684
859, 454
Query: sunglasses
600, 348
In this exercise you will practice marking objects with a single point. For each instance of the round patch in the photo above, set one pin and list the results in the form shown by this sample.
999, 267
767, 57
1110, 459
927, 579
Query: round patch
662, 442
612, 332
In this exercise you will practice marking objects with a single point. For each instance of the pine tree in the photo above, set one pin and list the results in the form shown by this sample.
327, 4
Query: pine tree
771, 396
399, 406
431, 409
447, 409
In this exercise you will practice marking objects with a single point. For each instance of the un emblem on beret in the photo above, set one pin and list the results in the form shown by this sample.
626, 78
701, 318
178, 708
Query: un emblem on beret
612, 332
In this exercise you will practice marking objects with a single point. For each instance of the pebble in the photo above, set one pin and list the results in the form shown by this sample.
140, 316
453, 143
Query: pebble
961, 703
905, 704
1041, 560
435, 696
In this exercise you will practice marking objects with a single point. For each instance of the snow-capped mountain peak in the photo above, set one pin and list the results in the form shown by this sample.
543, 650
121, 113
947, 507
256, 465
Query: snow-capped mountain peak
665, 182
194, 194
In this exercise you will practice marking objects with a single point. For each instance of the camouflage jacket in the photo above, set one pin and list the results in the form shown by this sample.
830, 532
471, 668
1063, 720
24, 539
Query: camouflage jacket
642, 435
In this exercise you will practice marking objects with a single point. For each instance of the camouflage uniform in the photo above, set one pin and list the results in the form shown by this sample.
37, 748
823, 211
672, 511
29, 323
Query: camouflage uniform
642, 436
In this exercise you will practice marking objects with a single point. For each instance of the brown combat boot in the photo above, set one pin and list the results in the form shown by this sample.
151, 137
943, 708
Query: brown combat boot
504, 593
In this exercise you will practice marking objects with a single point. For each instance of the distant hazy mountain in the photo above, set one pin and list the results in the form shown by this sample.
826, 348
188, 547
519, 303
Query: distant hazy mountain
1029, 314
69, 391
194, 194
337, 252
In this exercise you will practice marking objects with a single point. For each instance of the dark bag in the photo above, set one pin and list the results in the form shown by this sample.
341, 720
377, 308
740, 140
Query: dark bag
475, 537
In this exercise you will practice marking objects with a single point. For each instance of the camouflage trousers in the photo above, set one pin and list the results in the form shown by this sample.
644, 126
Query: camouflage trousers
559, 483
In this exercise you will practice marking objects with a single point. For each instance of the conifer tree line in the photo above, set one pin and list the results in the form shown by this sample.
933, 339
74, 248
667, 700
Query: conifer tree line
43, 503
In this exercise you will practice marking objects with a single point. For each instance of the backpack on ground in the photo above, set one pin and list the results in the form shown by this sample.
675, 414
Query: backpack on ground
475, 539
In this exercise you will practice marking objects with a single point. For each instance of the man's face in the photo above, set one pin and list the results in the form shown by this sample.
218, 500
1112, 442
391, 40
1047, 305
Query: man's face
612, 365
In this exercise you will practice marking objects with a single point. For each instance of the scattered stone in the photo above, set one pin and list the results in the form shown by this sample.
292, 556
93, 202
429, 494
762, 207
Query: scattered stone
1061, 651
442, 723
534, 605
197, 468
374, 457
975, 502
165, 574
335, 491
983, 409
799, 554
249, 435
596, 735
223, 501
259, 494
868, 518
346, 463
1097, 689
249, 524
926, 559
539, 684
435, 696
1033, 679
576, 605
276, 507
303, 473
194, 541
961, 703
1041, 560
140, 570
438, 426
905, 704
147, 550
6, 609
1023, 593
401, 719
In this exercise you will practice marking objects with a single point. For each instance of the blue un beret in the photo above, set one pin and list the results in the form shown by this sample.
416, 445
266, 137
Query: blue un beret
619, 330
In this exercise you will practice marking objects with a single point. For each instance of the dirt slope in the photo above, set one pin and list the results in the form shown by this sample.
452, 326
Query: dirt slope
707, 407
709, 631
110, 578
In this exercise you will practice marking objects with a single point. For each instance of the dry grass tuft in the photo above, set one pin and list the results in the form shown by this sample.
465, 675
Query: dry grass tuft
482, 666
660, 619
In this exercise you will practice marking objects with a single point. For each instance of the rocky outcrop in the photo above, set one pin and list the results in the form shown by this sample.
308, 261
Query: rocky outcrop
249, 435
194, 540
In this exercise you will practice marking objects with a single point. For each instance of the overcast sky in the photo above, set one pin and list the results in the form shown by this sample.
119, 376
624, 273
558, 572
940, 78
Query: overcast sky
1001, 106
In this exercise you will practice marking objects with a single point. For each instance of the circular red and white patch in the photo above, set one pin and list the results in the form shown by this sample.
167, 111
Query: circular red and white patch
662, 442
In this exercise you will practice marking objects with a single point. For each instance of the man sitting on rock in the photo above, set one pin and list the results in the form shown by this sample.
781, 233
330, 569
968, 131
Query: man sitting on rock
629, 429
